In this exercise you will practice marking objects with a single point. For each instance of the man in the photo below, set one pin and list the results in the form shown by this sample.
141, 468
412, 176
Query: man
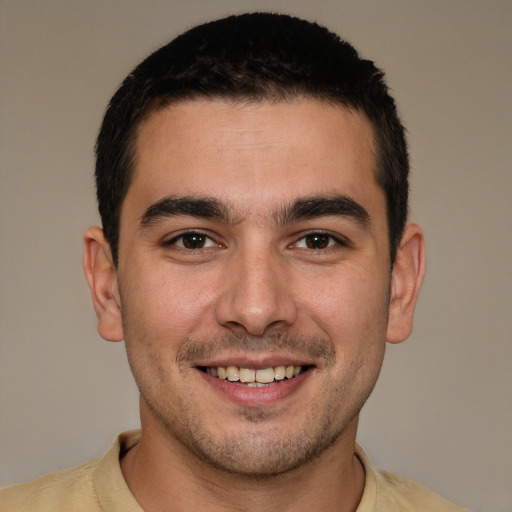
255, 259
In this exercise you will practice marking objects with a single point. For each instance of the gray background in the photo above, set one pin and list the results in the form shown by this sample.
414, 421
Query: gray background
441, 413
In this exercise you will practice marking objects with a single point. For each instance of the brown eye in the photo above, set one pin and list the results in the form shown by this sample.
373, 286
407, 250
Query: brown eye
193, 241
318, 241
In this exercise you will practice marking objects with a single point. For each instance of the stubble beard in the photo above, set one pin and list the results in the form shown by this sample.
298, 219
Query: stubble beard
260, 452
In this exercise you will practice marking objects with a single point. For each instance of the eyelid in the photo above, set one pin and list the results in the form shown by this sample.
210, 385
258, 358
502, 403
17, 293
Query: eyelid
173, 239
339, 239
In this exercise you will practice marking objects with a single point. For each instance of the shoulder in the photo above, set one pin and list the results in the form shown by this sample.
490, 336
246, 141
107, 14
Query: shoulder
70, 490
409, 495
386, 492
97, 485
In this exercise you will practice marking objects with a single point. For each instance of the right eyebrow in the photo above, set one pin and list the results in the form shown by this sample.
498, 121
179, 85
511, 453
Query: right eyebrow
171, 206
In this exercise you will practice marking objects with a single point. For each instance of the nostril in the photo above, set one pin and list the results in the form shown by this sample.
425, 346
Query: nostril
256, 296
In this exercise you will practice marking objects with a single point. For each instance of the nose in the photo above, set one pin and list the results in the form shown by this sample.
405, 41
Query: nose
257, 295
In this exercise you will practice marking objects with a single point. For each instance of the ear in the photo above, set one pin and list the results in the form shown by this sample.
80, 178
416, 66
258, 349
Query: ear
406, 279
101, 276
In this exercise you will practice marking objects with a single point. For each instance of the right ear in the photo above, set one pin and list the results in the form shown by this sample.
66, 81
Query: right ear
101, 276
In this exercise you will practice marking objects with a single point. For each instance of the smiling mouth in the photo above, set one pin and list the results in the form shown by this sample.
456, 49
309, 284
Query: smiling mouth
254, 378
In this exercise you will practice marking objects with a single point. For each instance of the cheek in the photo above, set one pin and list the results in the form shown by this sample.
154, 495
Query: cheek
163, 306
351, 305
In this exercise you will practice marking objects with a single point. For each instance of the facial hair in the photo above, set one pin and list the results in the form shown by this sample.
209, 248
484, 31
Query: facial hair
260, 451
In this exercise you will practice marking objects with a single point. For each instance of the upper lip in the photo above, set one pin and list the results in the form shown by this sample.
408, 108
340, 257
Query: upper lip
256, 363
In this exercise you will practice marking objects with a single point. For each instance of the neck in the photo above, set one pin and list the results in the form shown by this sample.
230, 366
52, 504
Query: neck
163, 475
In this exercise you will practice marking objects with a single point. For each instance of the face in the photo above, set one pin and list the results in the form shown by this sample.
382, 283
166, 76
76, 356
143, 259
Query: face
254, 279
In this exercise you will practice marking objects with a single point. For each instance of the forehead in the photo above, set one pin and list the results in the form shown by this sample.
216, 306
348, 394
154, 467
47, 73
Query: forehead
276, 151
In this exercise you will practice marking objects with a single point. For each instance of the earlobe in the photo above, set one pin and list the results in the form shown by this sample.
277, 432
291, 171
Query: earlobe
407, 276
101, 276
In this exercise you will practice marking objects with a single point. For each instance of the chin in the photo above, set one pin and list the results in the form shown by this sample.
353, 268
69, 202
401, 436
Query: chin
259, 450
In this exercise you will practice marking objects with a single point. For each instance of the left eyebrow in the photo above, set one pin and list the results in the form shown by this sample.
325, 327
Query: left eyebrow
319, 206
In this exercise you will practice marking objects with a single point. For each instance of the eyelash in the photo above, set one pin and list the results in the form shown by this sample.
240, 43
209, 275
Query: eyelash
332, 241
182, 237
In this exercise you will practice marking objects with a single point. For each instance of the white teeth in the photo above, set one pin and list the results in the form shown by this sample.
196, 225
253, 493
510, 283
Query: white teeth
247, 375
254, 378
279, 372
233, 373
266, 375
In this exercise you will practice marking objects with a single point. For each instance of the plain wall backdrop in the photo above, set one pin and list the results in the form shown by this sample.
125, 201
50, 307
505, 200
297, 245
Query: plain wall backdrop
442, 411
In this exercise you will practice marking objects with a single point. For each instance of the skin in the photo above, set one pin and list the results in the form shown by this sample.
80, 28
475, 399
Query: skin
259, 287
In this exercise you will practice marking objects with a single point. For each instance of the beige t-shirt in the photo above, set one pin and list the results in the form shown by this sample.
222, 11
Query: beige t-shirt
99, 486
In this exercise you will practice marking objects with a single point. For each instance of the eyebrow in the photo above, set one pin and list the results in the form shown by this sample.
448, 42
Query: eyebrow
210, 208
320, 206
201, 207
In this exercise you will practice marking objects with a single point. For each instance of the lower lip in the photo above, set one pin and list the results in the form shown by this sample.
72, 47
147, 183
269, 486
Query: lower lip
256, 397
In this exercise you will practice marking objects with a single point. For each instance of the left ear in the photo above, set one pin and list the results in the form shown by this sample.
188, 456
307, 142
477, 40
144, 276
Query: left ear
406, 279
